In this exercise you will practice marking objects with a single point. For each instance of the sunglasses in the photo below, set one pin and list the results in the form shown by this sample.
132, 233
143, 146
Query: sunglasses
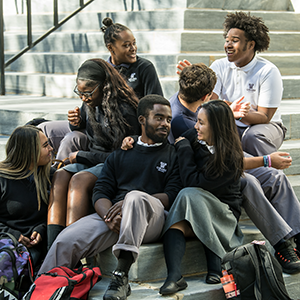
86, 95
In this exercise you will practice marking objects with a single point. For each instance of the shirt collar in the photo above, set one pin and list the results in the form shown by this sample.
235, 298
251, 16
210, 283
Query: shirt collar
139, 142
121, 65
211, 149
246, 68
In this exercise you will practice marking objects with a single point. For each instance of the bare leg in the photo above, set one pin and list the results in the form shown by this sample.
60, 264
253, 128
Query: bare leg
57, 205
58, 198
185, 228
79, 196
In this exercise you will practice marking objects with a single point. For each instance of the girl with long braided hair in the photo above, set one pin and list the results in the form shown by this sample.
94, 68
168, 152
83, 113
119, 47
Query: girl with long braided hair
107, 115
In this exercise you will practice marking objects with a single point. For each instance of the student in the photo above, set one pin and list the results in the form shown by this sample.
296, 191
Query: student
269, 200
244, 74
107, 114
139, 73
24, 186
211, 161
130, 207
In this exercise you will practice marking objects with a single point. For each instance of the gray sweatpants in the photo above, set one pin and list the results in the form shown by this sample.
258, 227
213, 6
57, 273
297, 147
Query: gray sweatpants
278, 190
262, 213
142, 222
262, 139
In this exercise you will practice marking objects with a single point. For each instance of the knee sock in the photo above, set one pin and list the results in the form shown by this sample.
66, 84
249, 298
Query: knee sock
174, 248
53, 230
213, 261
276, 246
125, 261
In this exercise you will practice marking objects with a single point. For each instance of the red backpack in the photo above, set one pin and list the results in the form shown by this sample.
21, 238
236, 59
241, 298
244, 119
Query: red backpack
63, 283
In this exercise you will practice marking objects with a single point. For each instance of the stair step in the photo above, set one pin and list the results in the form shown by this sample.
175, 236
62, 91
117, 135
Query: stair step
167, 19
3, 141
242, 5
156, 41
290, 114
295, 182
12, 7
62, 85
292, 147
150, 264
68, 63
197, 289
39, 7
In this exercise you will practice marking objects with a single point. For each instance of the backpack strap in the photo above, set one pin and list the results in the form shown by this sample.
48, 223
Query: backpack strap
250, 249
9, 235
268, 268
13, 262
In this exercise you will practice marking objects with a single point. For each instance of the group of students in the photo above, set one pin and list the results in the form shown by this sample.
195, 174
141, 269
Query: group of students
124, 175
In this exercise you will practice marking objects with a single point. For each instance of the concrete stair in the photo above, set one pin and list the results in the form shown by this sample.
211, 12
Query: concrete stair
40, 84
165, 34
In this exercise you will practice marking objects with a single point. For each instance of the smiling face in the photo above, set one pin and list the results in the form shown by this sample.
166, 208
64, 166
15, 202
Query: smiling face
123, 50
203, 128
157, 124
46, 151
91, 100
238, 49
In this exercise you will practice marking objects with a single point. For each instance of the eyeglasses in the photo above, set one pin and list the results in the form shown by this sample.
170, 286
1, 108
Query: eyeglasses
86, 95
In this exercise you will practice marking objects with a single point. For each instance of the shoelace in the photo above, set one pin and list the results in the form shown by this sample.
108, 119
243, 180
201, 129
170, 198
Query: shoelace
115, 283
288, 255
297, 253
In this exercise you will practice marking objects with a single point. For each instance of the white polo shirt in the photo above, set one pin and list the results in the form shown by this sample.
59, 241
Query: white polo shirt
259, 82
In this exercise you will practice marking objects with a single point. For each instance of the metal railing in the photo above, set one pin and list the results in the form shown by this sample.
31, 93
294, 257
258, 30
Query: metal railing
30, 43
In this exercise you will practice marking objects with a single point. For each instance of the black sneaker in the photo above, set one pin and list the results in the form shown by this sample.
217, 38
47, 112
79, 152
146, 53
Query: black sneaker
118, 288
288, 258
297, 242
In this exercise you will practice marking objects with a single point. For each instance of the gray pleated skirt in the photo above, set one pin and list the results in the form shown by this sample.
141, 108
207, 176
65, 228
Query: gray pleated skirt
211, 220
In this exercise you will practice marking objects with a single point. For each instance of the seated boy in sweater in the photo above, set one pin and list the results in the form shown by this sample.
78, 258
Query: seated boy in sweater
130, 196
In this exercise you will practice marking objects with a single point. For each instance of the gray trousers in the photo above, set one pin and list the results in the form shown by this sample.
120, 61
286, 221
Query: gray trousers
262, 139
263, 214
142, 222
278, 190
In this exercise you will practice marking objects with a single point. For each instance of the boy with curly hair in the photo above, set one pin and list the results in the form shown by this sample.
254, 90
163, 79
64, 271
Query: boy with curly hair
244, 74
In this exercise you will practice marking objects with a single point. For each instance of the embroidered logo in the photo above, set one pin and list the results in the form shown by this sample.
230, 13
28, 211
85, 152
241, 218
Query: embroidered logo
162, 167
132, 78
251, 89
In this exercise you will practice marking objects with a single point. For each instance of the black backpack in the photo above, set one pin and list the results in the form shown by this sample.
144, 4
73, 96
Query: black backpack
257, 273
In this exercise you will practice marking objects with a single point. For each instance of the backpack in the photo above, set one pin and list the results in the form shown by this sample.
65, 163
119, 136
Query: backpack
15, 267
257, 273
63, 283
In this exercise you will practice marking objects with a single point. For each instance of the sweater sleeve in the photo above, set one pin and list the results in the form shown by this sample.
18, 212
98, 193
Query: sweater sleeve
151, 82
41, 229
174, 184
191, 176
15, 233
82, 124
91, 158
106, 185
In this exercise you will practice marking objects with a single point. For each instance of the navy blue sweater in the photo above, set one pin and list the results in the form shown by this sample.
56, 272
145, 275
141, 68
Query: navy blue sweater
148, 169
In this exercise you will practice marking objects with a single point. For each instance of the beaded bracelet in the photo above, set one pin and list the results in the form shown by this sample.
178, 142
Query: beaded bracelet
269, 158
266, 161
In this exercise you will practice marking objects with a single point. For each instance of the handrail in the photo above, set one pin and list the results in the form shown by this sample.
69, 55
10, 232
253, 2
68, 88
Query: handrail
30, 43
